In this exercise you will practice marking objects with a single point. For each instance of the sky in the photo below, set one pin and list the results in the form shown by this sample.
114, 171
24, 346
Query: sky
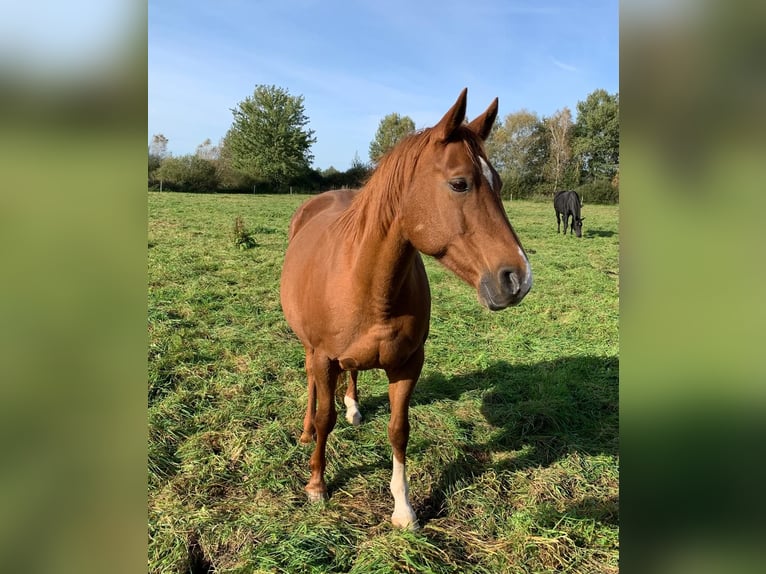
355, 62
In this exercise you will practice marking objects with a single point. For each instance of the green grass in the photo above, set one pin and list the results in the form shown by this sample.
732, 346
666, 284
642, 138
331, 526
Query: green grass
513, 454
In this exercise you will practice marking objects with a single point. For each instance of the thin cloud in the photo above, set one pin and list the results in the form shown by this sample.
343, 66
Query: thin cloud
564, 66
355, 64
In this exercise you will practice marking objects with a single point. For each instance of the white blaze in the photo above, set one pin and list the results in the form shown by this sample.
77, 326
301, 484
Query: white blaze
487, 171
527, 281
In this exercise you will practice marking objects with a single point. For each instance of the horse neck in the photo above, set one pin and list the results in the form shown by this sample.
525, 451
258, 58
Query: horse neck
381, 255
381, 251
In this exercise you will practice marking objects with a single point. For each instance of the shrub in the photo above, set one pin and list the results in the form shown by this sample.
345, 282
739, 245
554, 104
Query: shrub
599, 191
188, 173
242, 237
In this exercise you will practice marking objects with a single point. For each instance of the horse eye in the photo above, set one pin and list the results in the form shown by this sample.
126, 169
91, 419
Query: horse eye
459, 185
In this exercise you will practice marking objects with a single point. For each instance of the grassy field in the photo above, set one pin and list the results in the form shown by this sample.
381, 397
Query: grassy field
513, 454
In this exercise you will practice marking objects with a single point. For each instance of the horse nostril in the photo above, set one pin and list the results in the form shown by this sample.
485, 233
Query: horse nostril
503, 288
510, 281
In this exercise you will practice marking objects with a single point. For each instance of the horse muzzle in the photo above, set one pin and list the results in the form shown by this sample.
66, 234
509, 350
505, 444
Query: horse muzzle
505, 288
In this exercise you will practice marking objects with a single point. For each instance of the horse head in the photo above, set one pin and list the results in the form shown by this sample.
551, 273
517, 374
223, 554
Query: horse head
452, 209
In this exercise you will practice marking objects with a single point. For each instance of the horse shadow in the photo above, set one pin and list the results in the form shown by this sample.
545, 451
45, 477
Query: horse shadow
538, 414
599, 233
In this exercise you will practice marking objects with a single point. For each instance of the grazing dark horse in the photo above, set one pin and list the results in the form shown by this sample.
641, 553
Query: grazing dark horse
567, 204
354, 289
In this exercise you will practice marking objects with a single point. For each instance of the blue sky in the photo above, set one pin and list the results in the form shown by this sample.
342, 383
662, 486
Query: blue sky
355, 62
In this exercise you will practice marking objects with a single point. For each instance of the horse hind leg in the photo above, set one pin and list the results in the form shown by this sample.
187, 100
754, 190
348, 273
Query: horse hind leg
351, 400
308, 420
325, 376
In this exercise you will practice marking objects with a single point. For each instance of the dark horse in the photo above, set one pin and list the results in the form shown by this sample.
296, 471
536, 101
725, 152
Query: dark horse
354, 289
567, 204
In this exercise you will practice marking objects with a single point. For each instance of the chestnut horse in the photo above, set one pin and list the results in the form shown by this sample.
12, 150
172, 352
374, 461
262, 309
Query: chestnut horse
354, 289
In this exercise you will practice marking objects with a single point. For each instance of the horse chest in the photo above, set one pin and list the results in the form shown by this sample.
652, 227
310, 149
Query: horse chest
383, 346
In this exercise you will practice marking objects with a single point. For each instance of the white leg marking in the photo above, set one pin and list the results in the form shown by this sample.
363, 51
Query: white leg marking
352, 411
403, 516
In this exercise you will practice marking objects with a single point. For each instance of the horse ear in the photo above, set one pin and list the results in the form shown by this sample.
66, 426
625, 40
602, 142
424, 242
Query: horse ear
482, 125
453, 118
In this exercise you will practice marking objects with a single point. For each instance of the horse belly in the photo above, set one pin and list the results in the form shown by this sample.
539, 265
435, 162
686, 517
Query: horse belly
306, 271
303, 303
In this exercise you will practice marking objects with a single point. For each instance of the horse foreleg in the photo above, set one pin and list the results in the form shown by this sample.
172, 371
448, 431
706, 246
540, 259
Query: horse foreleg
400, 387
351, 400
558, 222
325, 375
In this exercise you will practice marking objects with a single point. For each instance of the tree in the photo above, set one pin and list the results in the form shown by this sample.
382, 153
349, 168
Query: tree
229, 177
559, 127
159, 146
268, 138
206, 150
158, 151
391, 129
517, 148
358, 173
597, 136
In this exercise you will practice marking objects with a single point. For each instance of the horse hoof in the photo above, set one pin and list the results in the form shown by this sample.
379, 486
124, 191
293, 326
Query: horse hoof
316, 496
354, 418
306, 438
405, 522
352, 411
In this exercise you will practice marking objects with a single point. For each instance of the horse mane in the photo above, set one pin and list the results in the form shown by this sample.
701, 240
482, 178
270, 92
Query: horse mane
375, 206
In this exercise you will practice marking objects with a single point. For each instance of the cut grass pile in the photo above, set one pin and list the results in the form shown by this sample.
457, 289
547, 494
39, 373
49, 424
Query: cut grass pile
513, 454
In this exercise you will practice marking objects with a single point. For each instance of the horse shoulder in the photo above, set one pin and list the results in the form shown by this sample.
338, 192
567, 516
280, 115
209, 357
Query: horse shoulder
329, 201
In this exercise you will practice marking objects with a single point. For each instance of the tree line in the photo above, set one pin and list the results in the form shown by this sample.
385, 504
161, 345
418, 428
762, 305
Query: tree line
267, 149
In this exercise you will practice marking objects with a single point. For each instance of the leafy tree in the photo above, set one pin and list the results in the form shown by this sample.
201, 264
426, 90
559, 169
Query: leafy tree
268, 138
206, 150
517, 148
231, 178
559, 129
159, 146
358, 173
597, 136
158, 150
391, 129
